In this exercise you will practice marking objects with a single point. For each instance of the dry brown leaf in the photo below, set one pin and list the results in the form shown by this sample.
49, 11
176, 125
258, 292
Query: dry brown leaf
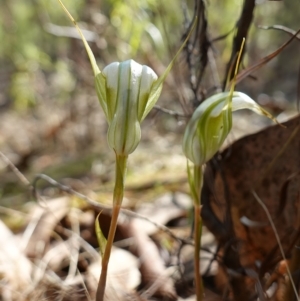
261, 162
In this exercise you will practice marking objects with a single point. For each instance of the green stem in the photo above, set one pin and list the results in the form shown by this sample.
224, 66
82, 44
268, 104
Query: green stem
121, 163
198, 181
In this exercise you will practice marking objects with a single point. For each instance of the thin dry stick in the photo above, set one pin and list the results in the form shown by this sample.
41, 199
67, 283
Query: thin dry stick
41, 272
16, 171
83, 244
170, 112
74, 252
281, 28
278, 240
104, 208
243, 26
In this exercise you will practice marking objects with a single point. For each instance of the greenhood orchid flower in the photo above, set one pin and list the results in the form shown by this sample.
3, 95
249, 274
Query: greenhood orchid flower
204, 135
127, 91
212, 122
127, 95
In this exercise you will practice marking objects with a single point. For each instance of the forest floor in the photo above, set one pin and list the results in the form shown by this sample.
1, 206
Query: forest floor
57, 175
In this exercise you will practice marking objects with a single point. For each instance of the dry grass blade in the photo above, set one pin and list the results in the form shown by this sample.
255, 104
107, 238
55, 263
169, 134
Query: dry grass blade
243, 74
259, 288
16, 171
177, 115
74, 217
278, 241
222, 37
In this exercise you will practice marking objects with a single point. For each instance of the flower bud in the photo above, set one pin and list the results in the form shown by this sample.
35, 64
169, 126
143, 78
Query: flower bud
127, 87
127, 92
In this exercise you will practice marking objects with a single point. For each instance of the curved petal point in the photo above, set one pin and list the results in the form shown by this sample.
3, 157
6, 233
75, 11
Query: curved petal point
212, 122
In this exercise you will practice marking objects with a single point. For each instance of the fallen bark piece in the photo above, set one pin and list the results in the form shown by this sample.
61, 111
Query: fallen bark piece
262, 162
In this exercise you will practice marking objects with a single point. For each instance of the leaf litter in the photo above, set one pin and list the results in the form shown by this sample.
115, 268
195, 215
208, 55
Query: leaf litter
53, 253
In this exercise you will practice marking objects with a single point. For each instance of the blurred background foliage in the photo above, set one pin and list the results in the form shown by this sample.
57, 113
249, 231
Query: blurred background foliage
39, 40
47, 98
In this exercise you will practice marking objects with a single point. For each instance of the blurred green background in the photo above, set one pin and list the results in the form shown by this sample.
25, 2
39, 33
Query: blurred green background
50, 119
40, 57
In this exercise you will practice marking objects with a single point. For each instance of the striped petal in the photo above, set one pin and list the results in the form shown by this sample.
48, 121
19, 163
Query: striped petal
212, 122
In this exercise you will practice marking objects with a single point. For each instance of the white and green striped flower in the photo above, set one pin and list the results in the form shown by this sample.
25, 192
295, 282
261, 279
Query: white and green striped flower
127, 91
211, 123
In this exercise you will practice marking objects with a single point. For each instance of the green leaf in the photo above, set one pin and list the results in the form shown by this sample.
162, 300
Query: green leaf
100, 84
86, 45
192, 183
100, 237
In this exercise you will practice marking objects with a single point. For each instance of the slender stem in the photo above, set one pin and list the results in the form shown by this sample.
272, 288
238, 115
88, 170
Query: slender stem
121, 163
198, 181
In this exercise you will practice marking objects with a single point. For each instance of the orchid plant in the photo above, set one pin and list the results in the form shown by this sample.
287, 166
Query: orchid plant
204, 135
127, 92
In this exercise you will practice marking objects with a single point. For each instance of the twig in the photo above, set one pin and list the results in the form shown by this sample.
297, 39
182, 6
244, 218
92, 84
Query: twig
15, 170
203, 41
246, 72
104, 208
74, 252
41, 272
170, 112
222, 37
242, 32
281, 28
278, 240
83, 244
197, 50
